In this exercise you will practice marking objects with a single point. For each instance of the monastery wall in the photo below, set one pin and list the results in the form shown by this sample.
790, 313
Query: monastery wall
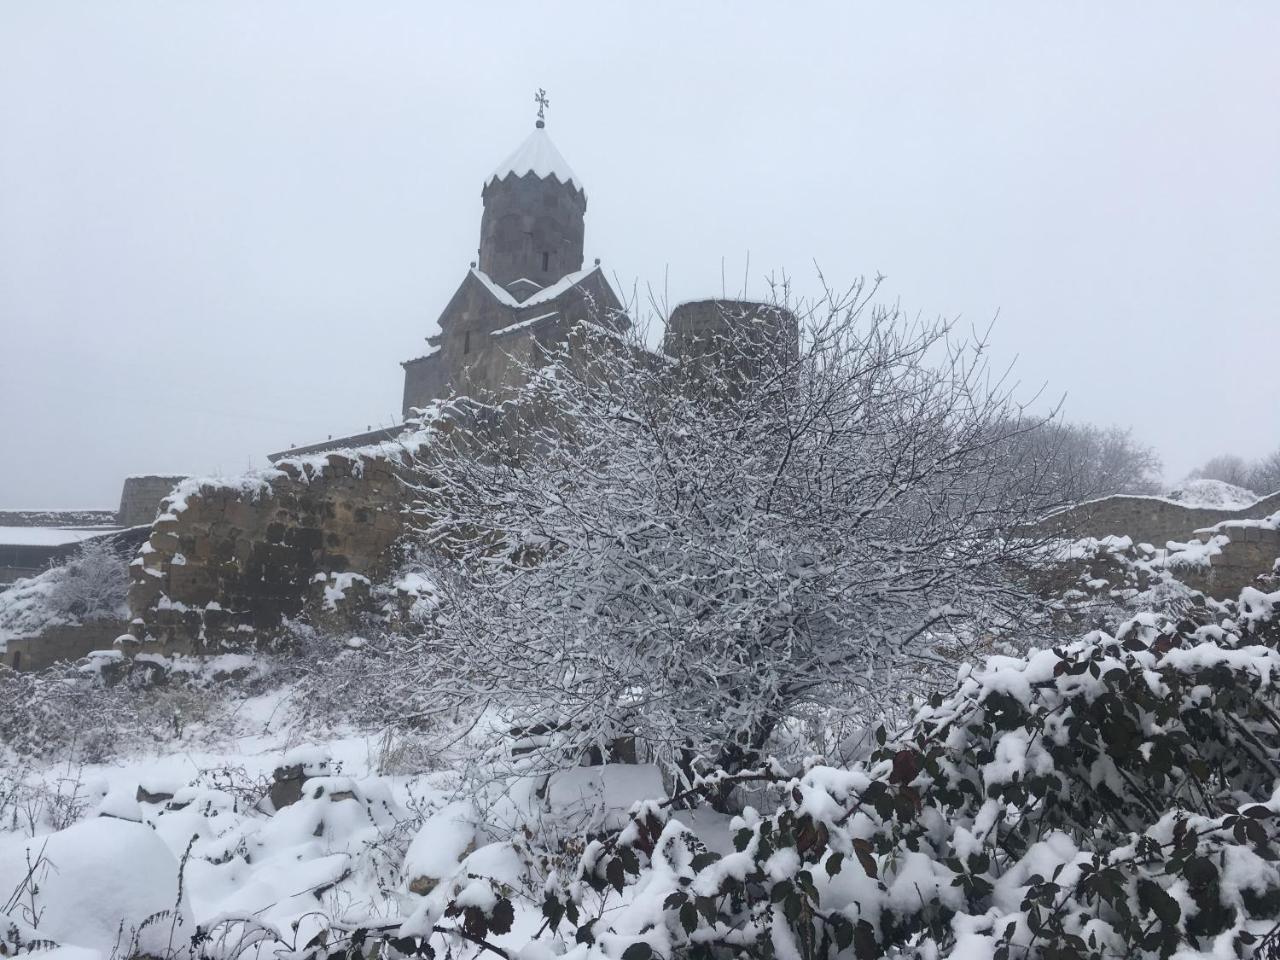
1149, 519
227, 562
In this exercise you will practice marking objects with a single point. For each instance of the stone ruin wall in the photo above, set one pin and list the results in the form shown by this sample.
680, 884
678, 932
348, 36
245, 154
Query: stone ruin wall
1251, 550
63, 642
1150, 519
227, 562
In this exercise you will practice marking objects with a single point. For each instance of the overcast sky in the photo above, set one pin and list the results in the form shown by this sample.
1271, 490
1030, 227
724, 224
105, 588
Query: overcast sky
223, 225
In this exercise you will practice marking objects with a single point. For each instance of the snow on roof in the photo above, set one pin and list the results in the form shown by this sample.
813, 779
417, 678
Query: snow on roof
539, 156
47, 536
542, 296
522, 324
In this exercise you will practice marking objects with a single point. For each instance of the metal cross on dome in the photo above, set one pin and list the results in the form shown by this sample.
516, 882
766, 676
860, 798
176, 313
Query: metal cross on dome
540, 98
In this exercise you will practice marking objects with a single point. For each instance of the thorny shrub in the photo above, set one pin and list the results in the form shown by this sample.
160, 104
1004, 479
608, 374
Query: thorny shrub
1115, 797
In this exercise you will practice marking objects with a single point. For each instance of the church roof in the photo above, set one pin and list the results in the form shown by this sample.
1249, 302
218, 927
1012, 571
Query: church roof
539, 156
542, 296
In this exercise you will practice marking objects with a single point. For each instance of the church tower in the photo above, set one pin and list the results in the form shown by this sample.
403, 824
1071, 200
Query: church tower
532, 227
526, 291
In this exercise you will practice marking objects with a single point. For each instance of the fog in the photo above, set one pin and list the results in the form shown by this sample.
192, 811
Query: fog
223, 226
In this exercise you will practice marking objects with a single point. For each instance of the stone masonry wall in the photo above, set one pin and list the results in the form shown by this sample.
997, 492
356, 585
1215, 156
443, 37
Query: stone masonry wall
1251, 552
1149, 519
140, 498
529, 221
64, 642
226, 562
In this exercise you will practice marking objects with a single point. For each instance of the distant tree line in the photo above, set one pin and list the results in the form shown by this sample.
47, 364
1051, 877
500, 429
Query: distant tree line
1096, 461
1262, 476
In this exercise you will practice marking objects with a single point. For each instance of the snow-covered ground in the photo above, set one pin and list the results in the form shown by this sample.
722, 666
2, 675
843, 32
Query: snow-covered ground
337, 851
189, 830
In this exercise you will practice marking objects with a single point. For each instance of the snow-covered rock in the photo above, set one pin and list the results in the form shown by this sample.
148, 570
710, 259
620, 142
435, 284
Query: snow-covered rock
599, 798
98, 878
120, 803
440, 845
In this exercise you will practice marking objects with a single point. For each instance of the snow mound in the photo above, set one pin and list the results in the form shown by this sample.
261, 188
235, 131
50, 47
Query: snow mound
1212, 493
440, 846
98, 878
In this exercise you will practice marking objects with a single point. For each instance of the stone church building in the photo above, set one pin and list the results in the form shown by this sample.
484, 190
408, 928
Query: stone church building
527, 287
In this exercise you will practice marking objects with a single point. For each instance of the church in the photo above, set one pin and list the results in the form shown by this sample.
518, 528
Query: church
526, 289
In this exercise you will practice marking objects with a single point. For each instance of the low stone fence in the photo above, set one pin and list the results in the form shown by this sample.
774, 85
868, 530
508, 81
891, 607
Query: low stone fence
66, 642
1222, 570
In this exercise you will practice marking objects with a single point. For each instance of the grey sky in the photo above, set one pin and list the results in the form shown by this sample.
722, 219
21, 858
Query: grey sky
223, 225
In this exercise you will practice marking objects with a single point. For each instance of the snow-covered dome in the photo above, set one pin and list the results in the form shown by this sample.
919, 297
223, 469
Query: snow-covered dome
539, 156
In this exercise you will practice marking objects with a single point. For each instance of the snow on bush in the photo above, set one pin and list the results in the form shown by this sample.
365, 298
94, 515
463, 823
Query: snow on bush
1116, 796
25, 607
689, 557
106, 705
91, 585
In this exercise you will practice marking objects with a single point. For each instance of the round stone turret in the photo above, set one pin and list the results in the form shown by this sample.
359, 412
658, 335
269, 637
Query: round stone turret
736, 338
533, 226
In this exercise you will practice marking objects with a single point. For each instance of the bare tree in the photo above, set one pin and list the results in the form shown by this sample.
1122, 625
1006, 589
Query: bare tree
1264, 475
1092, 461
1108, 460
689, 554
1226, 467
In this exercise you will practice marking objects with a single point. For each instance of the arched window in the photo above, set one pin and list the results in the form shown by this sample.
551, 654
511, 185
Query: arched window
466, 342
546, 261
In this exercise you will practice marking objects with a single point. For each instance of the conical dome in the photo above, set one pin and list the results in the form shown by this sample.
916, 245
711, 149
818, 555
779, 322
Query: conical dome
532, 228
539, 156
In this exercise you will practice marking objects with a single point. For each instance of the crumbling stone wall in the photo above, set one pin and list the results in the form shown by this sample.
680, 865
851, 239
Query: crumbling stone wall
1149, 519
62, 643
227, 562
1251, 553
